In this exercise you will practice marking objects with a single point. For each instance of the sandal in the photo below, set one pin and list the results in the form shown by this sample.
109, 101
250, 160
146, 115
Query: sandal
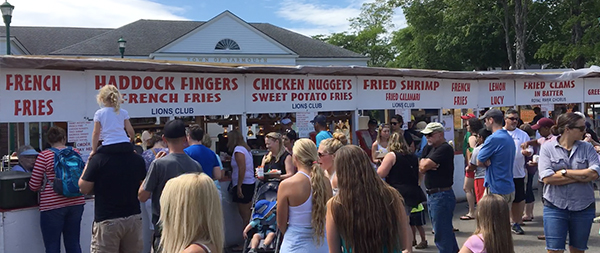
527, 219
466, 217
541, 237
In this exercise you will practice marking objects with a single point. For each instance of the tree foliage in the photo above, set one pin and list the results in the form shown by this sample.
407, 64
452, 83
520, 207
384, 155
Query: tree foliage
475, 35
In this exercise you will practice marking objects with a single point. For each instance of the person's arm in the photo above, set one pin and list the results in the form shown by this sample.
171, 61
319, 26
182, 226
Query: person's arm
591, 173
333, 237
290, 170
85, 186
527, 152
95, 137
386, 165
37, 175
283, 206
427, 164
240, 159
464, 249
129, 129
404, 224
472, 141
149, 184
246, 230
374, 152
546, 171
486, 151
217, 173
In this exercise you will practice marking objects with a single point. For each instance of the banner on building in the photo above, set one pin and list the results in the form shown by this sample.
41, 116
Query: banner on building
496, 93
170, 94
460, 94
41, 95
301, 93
375, 93
548, 92
592, 90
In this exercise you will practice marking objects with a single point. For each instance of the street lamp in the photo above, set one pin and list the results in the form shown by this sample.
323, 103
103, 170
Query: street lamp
122, 43
7, 16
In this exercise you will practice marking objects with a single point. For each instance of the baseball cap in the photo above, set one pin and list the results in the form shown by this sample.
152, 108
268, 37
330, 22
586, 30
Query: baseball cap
286, 121
421, 125
433, 127
467, 116
174, 129
543, 122
493, 113
320, 119
28, 150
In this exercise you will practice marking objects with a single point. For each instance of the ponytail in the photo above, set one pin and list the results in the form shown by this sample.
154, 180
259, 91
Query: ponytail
320, 196
109, 96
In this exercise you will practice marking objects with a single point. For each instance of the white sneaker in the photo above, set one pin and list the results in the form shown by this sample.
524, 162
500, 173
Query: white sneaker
597, 219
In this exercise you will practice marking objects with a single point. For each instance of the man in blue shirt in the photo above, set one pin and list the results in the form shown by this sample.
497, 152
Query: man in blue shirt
202, 154
320, 124
498, 155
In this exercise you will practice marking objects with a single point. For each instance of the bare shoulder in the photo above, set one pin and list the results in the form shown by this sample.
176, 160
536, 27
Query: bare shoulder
195, 248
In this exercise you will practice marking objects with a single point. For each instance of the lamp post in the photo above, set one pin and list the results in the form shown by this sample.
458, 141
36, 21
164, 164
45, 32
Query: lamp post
122, 43
7, 16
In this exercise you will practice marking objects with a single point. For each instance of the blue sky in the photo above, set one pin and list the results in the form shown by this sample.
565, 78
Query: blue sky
309, 17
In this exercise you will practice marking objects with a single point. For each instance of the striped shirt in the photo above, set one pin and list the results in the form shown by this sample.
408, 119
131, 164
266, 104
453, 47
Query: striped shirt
49, 200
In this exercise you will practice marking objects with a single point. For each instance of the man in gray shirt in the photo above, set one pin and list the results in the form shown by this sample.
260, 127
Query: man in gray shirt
163, 169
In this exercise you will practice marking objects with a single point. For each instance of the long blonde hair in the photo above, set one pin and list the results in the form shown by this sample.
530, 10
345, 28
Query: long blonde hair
397, 143
190, 210
332, 145
277, 137
306, 153
365, 204
109, 96
493, 223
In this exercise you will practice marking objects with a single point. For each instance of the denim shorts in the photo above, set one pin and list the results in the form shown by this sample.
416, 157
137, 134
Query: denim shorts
559, 222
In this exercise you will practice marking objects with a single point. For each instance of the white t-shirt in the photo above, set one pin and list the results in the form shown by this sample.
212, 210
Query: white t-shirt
249, 176
113, 125
520, 137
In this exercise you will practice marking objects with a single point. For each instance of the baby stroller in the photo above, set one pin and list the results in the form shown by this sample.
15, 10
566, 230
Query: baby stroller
265, 194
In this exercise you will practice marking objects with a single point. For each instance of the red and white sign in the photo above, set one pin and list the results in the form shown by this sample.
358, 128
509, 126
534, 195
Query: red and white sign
549, 92
170, 94
496, 93
398, 93
592, 90
460, 94
275, 93
41, 95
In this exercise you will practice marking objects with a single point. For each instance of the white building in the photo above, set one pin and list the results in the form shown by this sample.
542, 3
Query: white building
224, 39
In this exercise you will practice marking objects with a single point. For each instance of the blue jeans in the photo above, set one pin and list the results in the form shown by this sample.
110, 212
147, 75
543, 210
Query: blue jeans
65, 221
441, 209
529, 196
559, 222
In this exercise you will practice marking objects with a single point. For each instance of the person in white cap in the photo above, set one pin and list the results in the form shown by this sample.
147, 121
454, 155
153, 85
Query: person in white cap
27, 156
437, 163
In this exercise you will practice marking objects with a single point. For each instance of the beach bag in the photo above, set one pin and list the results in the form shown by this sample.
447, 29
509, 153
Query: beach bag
68, 167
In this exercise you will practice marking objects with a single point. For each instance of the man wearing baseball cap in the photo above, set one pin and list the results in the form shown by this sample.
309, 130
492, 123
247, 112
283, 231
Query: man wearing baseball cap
320, 124
498, 154
437, 164
177, 162
26, 155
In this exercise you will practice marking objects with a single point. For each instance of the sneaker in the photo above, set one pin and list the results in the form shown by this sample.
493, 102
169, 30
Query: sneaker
422, 245
517, 229
597, 219
252, 251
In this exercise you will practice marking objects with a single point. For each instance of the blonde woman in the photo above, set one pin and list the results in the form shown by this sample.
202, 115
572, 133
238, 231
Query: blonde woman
326, 153
365, 205
191, 215
379, 147
301, 202
278, 157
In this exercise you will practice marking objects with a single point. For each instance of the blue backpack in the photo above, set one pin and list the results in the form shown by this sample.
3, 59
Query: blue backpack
68, 167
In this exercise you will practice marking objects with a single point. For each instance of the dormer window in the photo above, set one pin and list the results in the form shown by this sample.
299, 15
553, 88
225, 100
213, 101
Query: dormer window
227, 44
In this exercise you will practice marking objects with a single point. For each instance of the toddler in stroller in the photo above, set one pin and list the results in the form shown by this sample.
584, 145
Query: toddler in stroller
265, 222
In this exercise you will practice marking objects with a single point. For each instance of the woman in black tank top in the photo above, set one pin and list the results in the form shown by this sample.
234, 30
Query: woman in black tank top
278, 158
400, 168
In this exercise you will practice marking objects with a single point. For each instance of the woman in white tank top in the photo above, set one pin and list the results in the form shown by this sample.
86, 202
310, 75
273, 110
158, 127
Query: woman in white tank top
379, 147
301, 202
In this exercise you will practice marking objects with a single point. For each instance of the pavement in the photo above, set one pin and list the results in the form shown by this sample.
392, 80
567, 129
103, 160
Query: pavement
527, 243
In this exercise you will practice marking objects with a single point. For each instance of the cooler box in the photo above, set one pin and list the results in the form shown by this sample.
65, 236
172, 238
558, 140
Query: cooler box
14, 190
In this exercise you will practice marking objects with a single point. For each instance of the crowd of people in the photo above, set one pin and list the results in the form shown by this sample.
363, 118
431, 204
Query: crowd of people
332, 196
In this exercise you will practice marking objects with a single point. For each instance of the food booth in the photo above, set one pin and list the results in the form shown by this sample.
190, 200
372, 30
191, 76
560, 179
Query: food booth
255, 98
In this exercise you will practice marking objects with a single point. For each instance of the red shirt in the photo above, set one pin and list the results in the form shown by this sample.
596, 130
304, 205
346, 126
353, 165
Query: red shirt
49, 200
